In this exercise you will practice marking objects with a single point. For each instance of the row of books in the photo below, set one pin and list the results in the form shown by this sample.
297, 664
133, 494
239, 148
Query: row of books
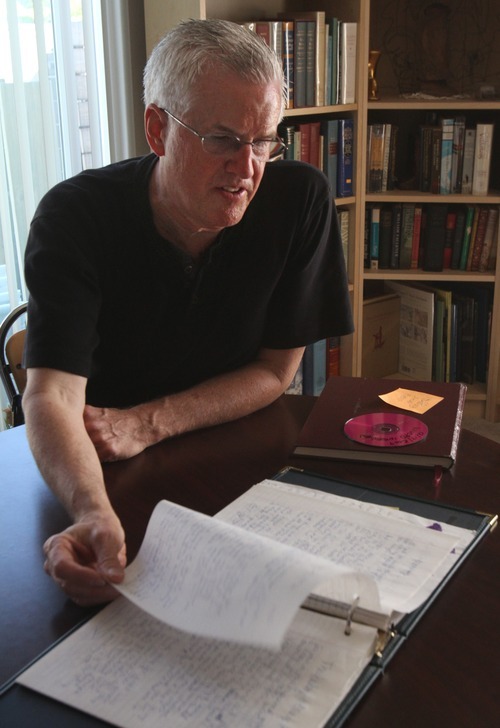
381, 157
452, 157
433, 237
444, 331
318, 54
328, 145
455, 158
321, 361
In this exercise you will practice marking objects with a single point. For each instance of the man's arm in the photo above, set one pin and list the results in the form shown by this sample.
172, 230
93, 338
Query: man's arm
91, 552
121, 433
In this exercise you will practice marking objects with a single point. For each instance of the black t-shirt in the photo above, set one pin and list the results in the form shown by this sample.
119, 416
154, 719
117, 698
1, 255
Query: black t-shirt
114, 302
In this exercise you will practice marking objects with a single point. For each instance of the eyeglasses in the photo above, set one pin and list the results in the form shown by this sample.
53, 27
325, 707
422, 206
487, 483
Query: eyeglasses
263, 150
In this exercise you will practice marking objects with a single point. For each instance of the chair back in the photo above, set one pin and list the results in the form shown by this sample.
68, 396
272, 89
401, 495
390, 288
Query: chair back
12, 374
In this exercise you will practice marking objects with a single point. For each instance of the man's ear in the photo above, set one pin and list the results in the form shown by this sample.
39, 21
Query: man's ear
154, 122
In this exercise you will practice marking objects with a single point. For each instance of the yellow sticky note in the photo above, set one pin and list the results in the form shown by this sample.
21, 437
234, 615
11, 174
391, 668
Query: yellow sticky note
408, 399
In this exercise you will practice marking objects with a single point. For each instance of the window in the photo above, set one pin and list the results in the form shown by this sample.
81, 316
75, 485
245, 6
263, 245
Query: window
52, 114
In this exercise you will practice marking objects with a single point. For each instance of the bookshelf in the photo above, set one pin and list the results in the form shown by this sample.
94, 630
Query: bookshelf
393, 29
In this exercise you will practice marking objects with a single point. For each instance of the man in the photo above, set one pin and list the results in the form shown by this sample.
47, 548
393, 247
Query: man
175, 291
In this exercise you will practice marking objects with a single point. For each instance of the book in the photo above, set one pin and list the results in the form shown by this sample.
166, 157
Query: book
457, 154
387, 156
458, 238
288, 61
375, 165
470, 212
374, 236
435, 237
468, 161
451, 223
385, 237
407, 222
482, 159
397, 213
130, 668
347, 56
446, 156
344, 218
416, 329
478, 242
490, 240
417, 228
345, 181
330, 130
343, 398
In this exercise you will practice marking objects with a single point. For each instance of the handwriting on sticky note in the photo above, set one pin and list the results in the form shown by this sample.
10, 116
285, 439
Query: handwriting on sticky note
408, 399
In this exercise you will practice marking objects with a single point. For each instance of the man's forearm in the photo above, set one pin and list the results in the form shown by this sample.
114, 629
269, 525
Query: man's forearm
220, 399
65, 456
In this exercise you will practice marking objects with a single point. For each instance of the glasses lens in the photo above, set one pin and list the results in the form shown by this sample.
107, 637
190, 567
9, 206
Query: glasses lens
220, 144
276, 150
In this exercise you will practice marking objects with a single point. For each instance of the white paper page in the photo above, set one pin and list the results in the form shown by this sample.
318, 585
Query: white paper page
400, 555
128, 668
212, 579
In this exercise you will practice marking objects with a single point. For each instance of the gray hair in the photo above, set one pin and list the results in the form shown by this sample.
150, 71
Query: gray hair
194, 48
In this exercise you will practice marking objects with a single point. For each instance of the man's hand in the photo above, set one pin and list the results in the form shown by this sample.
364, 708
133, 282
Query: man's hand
117, 434
86, 559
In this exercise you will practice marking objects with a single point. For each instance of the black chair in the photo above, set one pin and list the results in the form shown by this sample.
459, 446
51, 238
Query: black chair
12, 373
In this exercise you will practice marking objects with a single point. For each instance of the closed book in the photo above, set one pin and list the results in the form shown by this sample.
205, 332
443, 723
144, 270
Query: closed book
464, 253
347, 55
435, 236
397, 213
387, 154
407, 221
417, 229
288, 61
299, 62
457, 160
376, 145
343, 398
446, 156
489, 239
468, 161
477, 247
330, 150
482, 159
385, 237
458, 238
345, 170
374, 237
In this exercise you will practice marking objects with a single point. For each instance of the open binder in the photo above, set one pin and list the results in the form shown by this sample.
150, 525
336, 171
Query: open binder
394, 637
23, 704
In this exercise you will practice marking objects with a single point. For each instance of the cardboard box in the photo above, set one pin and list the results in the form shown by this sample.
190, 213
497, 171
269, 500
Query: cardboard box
380, 342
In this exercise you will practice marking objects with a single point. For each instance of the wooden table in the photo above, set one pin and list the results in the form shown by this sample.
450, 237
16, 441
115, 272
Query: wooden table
447, 673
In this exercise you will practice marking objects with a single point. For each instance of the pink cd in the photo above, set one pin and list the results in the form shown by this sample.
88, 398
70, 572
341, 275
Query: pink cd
386, 429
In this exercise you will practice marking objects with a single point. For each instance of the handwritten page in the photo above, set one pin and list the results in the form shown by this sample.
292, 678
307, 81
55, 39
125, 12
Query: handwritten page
411, 400
398, 553
129, 669
214, 579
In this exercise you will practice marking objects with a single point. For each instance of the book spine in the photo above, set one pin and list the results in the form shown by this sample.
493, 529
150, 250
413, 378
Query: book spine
446, 156
288, 61
489, 239
330, 163
482, 159
407, 222
417, 227
299, 57
386, 157
348, 42
397, 212
345, 158
457, 160
468, 163
376, 134
374, 237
